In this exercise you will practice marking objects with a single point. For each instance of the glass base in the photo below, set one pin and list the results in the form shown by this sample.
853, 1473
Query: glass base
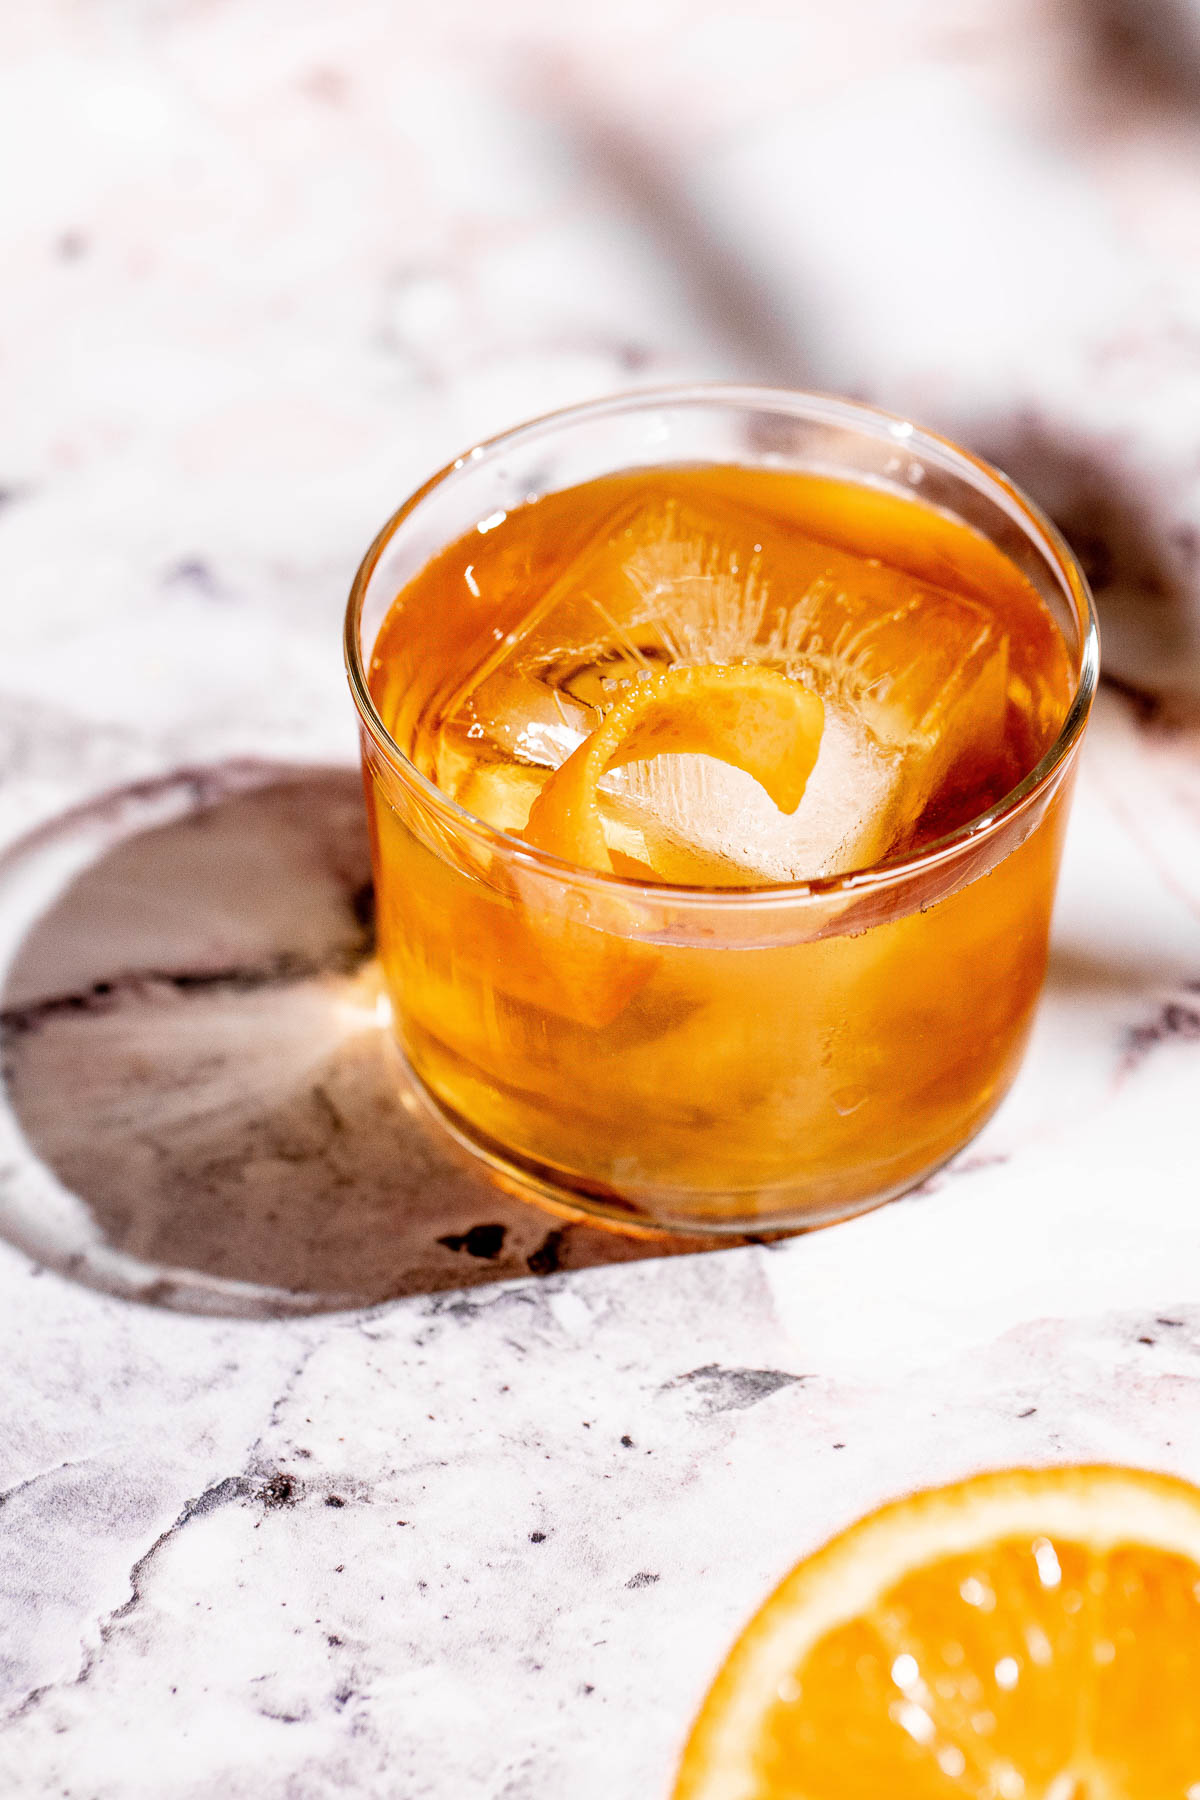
555, 1191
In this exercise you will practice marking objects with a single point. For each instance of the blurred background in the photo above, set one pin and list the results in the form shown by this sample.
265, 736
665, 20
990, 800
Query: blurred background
267, 265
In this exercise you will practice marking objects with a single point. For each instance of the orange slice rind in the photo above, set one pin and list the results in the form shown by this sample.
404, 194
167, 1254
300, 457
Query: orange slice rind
1026, 1635
751, 717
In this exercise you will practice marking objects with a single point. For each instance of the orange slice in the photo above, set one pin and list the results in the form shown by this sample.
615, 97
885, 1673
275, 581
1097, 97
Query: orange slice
752, 717
1032, 1635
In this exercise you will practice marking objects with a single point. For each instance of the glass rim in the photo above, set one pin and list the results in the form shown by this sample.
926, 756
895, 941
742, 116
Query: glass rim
800, 402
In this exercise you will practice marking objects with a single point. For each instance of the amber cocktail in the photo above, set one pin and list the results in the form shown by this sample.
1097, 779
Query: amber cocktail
718, 747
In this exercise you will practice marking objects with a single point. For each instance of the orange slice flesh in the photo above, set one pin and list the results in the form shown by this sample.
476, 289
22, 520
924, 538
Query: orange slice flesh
1030, 1635
755, 718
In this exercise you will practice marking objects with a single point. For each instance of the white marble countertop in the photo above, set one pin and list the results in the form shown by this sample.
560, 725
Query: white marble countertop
307, 1485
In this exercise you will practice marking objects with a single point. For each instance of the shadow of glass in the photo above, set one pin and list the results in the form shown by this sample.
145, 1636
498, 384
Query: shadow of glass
205, 1109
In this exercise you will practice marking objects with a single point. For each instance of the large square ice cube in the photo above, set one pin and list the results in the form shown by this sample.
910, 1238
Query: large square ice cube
914, 679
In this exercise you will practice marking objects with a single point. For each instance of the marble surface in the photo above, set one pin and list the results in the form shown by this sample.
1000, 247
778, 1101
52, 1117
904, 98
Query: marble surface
323, 1468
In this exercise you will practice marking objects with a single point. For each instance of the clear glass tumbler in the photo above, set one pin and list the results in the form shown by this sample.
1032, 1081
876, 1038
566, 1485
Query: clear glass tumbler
713, 1060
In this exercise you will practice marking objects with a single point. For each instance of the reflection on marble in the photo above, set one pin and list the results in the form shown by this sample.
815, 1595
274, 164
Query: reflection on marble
325, 1469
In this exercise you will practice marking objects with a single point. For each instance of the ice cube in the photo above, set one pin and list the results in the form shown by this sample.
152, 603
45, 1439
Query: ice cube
914, 680
661, 583
847, 819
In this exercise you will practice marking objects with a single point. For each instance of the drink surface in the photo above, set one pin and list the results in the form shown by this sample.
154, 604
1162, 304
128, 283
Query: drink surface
943, 677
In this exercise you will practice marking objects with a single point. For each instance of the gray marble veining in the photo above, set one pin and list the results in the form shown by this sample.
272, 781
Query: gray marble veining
324, 1467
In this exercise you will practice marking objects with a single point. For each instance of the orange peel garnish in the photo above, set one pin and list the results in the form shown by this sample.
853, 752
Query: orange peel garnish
754, 718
